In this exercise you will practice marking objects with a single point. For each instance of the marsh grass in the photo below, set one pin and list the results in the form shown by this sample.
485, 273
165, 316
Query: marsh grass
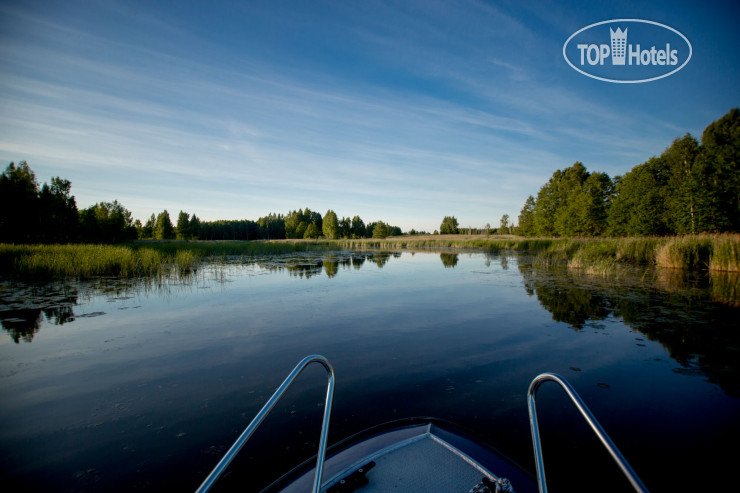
139, 259
719, 253
486, 243
725, 254
685, 253
89, 261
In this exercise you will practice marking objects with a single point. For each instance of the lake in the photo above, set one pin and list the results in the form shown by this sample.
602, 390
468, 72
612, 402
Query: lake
115, 385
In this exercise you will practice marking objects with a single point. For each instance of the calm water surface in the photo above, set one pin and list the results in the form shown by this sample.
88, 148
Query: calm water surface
111, 386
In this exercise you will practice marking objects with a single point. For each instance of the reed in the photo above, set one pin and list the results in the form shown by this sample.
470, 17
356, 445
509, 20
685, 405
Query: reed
639, 250
88, 261
686, 253
725, 254
720, 253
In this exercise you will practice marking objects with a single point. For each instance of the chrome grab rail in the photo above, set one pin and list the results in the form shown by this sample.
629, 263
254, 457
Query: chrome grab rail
247, 433
595, 426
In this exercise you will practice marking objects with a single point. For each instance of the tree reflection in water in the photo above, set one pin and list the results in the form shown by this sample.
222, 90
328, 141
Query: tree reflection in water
449, 260
692, 315
306, 265
23, 308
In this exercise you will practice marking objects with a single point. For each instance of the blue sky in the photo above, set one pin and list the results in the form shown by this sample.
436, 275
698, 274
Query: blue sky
398, 111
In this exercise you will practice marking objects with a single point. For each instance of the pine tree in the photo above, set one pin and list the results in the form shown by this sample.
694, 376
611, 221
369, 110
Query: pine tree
183, 226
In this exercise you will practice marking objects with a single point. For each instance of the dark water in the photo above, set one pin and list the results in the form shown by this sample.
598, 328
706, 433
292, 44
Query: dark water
111, 386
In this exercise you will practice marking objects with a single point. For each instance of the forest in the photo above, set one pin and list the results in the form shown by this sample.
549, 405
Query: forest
692, 187
30, 213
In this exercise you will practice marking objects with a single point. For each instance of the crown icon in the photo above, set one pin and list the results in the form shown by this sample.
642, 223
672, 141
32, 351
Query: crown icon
619, 45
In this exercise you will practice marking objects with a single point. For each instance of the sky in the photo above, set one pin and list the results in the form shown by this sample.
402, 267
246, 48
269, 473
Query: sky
403, 111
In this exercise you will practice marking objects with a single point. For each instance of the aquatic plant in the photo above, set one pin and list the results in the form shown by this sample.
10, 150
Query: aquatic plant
157, 258
687, 252
87, 261
725, 254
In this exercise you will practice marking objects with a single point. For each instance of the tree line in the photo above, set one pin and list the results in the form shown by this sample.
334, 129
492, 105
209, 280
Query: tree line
690, 188
30, 213
450, 226
297, 224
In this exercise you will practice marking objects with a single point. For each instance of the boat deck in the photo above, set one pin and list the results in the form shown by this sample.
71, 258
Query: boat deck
420, 457
426, 464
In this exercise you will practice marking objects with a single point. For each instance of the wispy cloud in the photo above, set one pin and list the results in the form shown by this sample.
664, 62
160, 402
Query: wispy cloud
388, 111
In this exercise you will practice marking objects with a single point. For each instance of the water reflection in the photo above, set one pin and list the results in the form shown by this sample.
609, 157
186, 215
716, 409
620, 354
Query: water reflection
725, 287
134, 395
679, 310
23, 308
307, 265
449, 260
382, 258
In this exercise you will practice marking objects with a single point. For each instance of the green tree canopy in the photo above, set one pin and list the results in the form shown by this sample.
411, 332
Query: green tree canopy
448, 226
164, 229
194, 227
345, 228
107, 222
271, 227
719, 161
526, 218
690, 188
587, 206
381, 230
504, 229
296, 222
147, 230
312, 231
687, 199
639, 205
57, 212
330, 225
573, 202
183, 226
18, 204
358, 227
242, 229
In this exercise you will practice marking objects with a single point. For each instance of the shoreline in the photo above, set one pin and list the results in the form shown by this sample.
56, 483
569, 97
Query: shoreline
713, 253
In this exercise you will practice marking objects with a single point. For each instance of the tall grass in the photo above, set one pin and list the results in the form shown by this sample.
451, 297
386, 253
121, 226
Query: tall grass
687, 253
88, 261
725, 254
140, 259
719, 253
492, 244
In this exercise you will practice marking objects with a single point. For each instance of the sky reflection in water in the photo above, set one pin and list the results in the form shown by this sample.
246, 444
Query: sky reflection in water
114, 386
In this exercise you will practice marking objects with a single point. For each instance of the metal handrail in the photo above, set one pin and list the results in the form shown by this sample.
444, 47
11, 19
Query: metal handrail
595, 426
247, 433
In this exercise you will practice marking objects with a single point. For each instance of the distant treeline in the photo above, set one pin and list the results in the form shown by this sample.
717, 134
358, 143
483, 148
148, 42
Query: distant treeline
303, 223
690, 188
30, 213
